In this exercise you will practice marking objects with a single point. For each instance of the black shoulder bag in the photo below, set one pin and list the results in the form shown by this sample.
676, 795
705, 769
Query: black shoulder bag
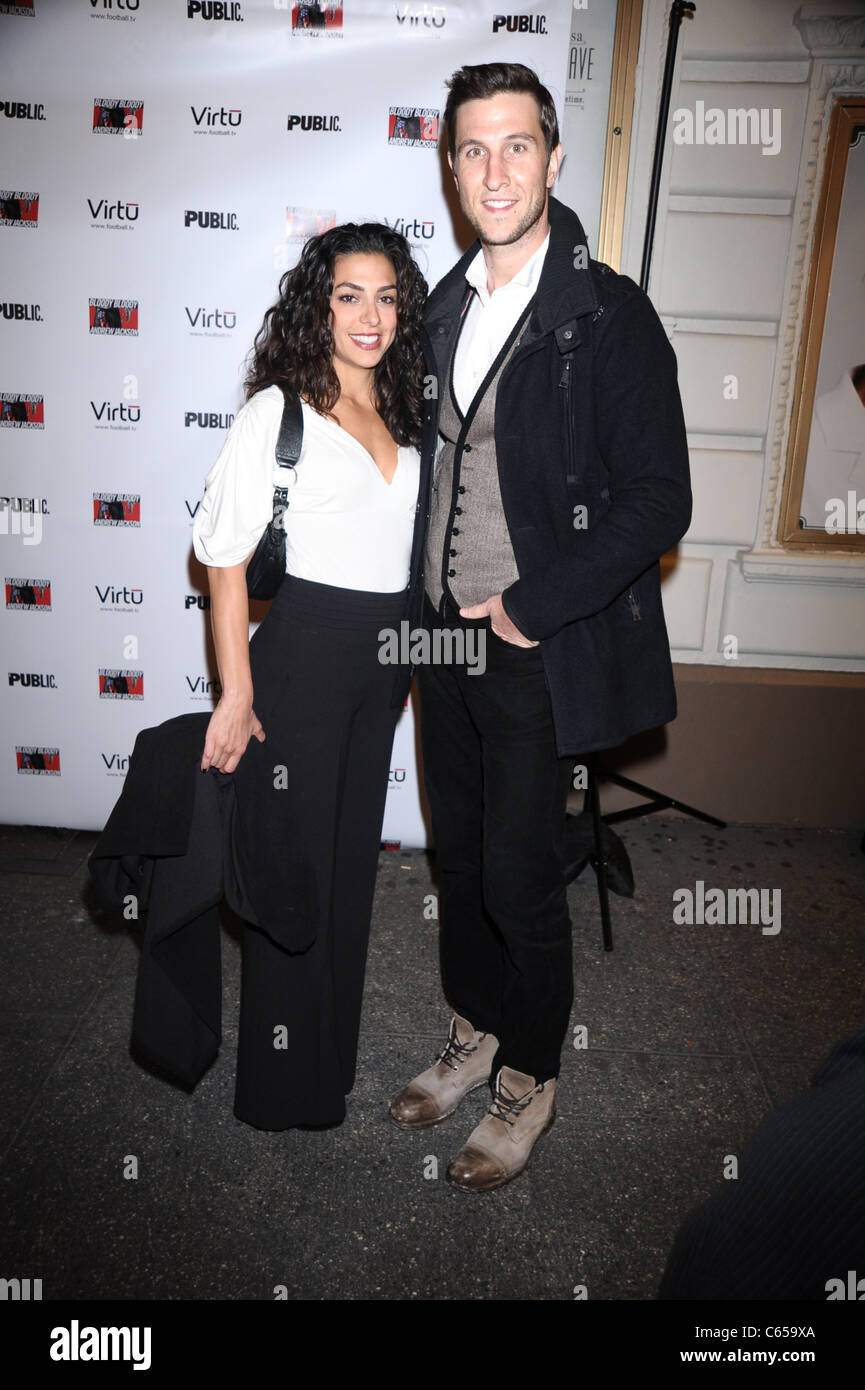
266, 569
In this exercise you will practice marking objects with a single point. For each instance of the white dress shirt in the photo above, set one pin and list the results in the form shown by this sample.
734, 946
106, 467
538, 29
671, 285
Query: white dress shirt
344, 524
489, 319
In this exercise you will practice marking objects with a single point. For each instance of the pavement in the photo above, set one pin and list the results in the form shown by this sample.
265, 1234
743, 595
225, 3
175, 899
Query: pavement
115, 1184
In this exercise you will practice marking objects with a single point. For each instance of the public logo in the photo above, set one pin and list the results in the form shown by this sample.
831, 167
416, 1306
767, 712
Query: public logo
211, 221
23, 110
120, 685
22, 7
219, 11
21, 412
22, 516
21, 313
308, 123
28, 595
33, 758
113, 215
116, 509
413, 125
301, 223
118, 116
216, 120
24, 504
33, 680
207, 419
201, 602
18, 209
209, 323
519, 23
115, 415
314, 19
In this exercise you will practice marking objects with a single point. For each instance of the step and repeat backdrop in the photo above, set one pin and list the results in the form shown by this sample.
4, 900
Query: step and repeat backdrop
162, 163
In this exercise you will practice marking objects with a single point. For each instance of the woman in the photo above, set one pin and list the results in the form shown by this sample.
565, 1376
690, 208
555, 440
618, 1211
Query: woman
344, 334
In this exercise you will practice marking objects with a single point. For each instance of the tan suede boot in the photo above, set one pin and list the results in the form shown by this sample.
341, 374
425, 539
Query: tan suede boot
463, 1065
501, 1145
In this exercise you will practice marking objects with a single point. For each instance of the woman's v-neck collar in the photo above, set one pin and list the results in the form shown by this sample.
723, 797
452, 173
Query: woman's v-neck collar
362, 447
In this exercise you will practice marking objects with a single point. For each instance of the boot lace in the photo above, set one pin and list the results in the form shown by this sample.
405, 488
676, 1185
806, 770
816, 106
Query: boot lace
508, 1107
454, 1052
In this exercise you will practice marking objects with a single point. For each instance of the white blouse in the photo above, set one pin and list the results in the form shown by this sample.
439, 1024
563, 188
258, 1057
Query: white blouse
344, 524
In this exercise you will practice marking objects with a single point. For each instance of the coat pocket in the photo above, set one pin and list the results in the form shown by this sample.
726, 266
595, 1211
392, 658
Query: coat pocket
634, 605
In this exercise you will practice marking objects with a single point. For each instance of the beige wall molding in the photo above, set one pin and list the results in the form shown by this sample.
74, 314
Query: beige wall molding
828, 26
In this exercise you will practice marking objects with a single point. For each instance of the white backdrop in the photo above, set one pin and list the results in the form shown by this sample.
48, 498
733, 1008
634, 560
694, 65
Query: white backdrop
161, 162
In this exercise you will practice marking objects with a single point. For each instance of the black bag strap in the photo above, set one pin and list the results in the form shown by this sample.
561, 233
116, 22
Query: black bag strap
288, 447
290, 440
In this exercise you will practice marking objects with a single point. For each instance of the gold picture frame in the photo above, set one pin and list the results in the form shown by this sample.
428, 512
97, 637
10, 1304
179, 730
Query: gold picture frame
620, 117
808, 443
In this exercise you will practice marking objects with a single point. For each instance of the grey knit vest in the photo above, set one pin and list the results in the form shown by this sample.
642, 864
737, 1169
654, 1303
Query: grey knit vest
468, 551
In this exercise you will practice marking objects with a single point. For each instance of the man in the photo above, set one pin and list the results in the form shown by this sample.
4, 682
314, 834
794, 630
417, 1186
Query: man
561, 478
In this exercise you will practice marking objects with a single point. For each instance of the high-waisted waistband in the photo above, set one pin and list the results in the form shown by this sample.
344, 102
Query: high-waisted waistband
330, 602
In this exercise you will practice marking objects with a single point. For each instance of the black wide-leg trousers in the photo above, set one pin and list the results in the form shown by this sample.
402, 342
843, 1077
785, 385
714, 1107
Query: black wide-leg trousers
323, 696
498, 794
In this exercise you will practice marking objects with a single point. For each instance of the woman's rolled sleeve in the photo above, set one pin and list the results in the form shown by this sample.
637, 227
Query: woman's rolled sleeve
238, 491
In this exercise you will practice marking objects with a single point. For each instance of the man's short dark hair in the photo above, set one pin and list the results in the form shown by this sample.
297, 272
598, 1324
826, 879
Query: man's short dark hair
472, 83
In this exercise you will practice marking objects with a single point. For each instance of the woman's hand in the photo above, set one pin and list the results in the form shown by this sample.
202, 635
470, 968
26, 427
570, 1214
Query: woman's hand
234, 721
232, 724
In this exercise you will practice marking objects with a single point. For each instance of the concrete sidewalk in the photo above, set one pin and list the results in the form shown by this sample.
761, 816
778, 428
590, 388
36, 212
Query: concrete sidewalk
694, 1034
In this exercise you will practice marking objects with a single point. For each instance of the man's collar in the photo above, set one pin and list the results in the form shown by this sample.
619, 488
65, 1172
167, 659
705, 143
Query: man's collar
565, 289
527, 276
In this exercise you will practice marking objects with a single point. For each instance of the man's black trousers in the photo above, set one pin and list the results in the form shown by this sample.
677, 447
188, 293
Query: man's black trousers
498, 792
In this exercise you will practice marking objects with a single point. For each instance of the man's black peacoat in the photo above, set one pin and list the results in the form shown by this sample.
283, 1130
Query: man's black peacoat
594, 477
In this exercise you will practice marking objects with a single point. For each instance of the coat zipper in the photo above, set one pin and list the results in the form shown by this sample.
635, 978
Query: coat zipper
565, 385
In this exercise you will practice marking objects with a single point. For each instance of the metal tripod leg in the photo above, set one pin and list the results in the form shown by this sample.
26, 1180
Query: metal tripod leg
592, 799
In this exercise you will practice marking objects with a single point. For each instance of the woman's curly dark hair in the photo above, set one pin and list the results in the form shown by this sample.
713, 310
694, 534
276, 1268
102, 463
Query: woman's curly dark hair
294, 345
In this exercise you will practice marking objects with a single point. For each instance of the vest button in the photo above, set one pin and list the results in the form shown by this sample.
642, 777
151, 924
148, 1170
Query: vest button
455, 530
451, 573
458, 511
460, 489
451, 552
567, 335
